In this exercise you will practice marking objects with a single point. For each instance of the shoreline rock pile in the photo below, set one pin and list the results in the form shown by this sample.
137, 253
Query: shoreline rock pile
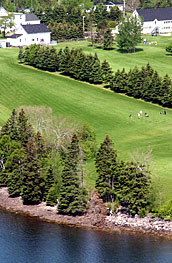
146, 224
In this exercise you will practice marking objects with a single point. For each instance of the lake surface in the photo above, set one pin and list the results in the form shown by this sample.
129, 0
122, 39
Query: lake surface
28, 240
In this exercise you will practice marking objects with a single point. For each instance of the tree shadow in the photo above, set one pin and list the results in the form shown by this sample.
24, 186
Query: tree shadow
168, 55
130, 52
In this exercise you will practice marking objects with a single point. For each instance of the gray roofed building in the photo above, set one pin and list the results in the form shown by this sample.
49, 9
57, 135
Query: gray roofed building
31, 17
155, 20
155, 13
36, 28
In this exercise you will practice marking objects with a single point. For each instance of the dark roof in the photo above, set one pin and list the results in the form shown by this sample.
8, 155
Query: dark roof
155, 13
36, 28
108, 3
31, 17
15, 36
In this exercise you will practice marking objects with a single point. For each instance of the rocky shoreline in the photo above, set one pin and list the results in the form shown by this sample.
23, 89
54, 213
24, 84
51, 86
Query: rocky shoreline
95, 218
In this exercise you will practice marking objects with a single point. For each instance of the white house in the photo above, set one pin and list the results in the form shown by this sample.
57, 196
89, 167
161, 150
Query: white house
27, 35
3, 12
109, 5
156, 20
29, 31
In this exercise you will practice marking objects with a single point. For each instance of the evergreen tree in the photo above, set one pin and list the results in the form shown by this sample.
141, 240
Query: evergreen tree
7, 146
51, 199
14, 166
135, 187
96, 71
20, 55
105, 166
106, 72
108, 39
115, 14
71, 199
25, 130
10, 127
33, 183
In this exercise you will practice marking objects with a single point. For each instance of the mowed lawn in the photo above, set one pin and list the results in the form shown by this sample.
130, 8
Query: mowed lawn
154, 54
105, 111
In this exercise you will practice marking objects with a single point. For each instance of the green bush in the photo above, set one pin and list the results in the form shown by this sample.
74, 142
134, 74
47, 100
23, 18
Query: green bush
169, 48
165, 211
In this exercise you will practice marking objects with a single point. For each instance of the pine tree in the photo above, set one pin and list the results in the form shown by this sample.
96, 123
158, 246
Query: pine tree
105, 166
32, 183
71, 199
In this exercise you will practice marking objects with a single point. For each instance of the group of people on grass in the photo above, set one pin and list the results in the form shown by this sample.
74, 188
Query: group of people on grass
140, 114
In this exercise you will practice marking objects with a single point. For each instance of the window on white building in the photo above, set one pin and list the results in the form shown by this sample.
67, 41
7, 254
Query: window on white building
33, 39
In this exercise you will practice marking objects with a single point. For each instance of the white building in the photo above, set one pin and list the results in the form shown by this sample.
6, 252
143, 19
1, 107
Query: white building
27, 30
156, 20
3, 12
29, 34
109, 5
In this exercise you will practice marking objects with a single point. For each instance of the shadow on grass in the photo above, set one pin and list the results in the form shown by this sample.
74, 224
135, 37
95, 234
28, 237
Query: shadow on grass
125, 51
169, 55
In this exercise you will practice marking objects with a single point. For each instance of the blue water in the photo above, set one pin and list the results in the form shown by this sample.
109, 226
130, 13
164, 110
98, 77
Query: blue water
28, 240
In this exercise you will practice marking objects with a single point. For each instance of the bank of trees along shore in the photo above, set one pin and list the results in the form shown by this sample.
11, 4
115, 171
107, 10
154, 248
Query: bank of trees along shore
144, 83
28, 167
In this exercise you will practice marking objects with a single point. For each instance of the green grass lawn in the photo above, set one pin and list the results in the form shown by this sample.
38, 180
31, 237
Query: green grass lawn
154, 54
105, 111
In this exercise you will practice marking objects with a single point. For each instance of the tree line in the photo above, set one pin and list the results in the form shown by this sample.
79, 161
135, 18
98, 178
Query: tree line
64, 31
126, 184
74, 63
144, 83
28, 170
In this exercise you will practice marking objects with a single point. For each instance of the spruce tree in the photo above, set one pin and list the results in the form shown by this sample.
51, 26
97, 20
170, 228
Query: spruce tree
33, 182
135, 187
51, 199
7, 146
20, 55
11, 127
25, 130
106, 72
108, 39
71, 200
14, 166
105, 166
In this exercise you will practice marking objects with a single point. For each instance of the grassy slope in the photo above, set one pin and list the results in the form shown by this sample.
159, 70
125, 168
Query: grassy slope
105, 111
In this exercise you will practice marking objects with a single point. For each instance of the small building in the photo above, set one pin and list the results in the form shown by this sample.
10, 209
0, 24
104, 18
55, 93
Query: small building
156, 20
109, 5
